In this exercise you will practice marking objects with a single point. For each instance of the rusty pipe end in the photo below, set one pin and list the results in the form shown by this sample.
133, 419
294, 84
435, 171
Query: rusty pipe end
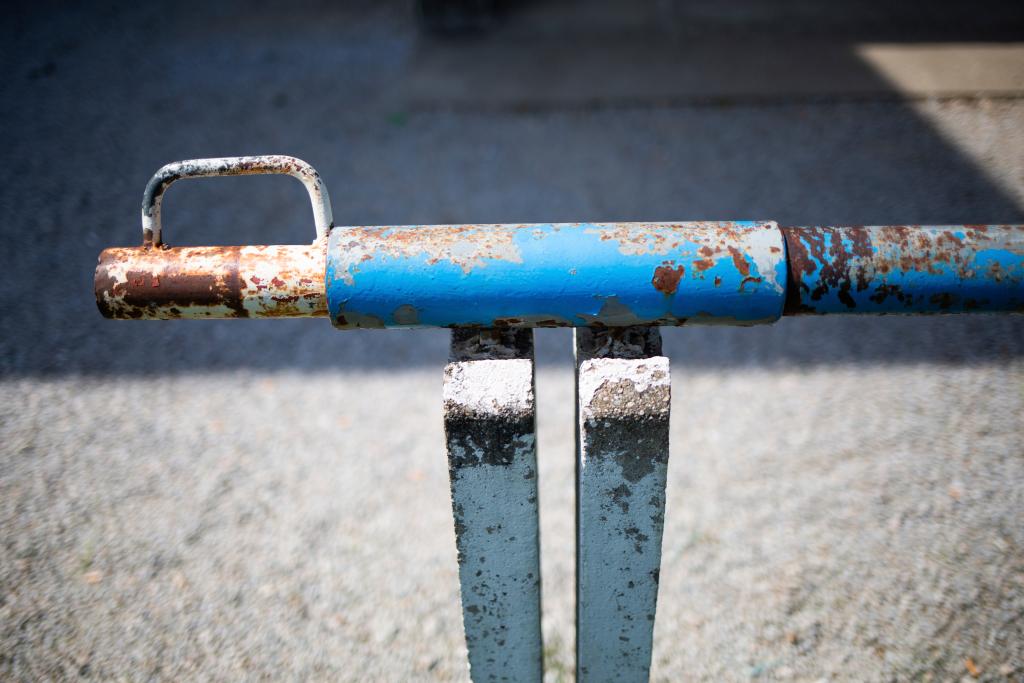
133, 283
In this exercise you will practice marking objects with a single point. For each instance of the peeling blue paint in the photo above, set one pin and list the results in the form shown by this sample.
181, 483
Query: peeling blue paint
556, 275
905, 269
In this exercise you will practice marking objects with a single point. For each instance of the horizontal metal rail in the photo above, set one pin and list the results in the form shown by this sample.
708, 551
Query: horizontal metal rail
576, 275
555, 274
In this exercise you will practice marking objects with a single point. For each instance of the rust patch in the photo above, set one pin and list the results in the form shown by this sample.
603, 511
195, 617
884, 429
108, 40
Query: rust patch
837, 253
701, 245
739, 262
847, 260
749, 279
666, 278
148, 283
211, 282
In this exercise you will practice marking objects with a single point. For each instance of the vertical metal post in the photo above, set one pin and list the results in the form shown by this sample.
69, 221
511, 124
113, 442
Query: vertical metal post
622, 406
490, 427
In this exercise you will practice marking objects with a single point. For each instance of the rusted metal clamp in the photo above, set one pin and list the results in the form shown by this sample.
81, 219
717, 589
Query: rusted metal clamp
267, 164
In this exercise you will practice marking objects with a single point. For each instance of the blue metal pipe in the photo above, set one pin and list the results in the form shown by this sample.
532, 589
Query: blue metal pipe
615, 274
905, 269
556, 275
576, 275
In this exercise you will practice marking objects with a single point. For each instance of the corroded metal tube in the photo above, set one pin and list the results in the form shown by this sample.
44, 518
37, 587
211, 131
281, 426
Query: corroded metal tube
576, 275
905, 269
212, 282
556, 275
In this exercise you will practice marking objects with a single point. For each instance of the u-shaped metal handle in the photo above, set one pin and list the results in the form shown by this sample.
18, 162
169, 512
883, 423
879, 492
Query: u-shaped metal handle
323, 217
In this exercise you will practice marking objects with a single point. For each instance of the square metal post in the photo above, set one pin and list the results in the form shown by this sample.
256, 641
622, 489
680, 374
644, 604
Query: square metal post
490, 428
623, 395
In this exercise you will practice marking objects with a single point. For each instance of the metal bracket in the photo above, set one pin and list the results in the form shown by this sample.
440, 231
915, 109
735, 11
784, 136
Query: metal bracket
490, 422
269, 164
623, 392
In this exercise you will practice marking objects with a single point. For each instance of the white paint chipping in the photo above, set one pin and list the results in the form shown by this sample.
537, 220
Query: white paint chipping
490, 386
766, 248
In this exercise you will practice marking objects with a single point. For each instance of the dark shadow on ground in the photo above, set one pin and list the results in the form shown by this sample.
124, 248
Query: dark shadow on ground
95, 100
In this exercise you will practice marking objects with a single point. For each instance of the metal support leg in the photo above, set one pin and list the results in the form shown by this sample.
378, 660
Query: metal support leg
623, 392
490, 426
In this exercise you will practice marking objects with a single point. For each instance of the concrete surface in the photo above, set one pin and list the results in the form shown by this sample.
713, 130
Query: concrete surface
247, 500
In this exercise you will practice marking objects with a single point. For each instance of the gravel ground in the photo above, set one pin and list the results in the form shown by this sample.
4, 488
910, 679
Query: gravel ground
225, 501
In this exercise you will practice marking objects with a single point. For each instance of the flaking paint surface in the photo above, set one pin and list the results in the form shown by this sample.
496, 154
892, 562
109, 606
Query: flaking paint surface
490, 432
905, 269
556, 275
623, 414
